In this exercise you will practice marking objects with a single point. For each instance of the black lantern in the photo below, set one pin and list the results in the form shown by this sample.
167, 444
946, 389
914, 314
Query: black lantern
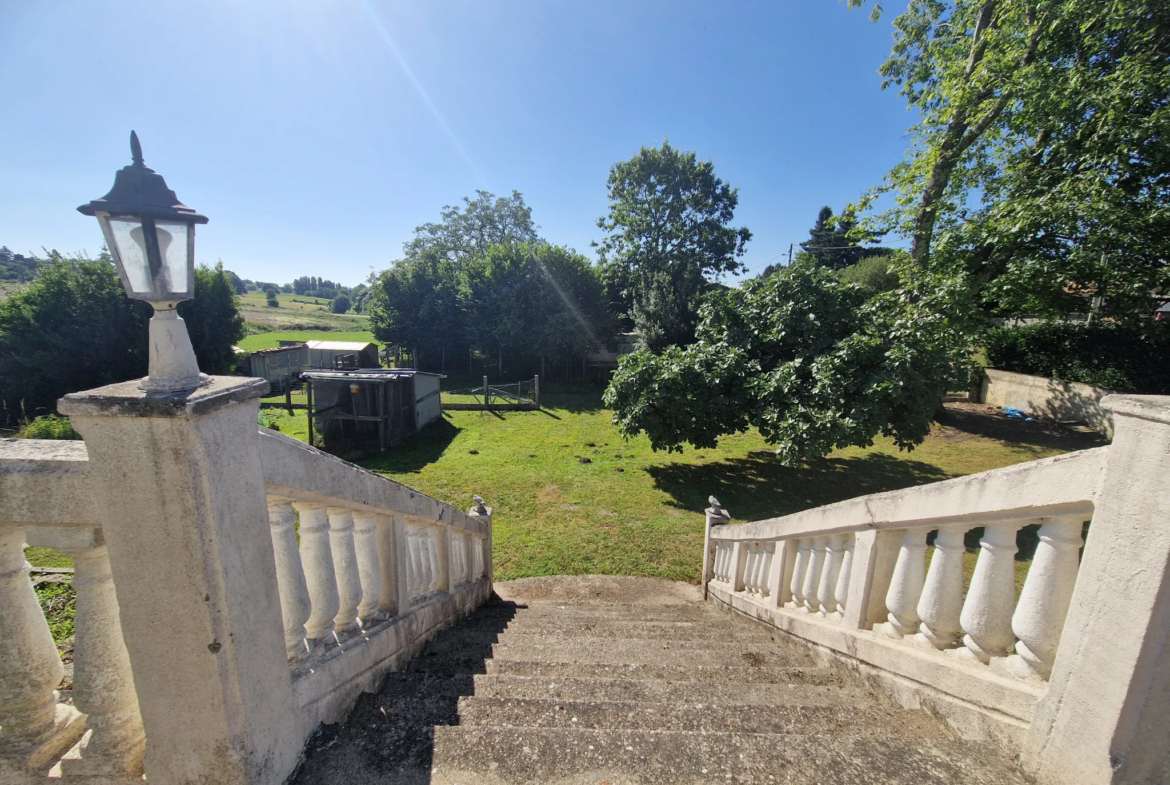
150, 233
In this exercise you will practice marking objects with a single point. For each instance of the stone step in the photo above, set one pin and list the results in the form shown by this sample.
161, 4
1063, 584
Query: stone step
624, 628
556, 756
715, 674
624, 651
869, 721
703, 693
608, 611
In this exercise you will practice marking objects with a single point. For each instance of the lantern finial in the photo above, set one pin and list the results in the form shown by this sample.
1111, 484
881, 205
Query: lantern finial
136, 149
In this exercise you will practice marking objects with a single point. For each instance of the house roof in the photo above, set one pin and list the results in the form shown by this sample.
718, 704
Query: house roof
340, 346
368, 374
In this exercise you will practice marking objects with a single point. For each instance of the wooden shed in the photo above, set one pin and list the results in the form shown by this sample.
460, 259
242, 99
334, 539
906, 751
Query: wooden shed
363, 407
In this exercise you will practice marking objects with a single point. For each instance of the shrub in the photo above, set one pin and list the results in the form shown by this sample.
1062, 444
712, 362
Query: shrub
272, 301
49, 426
1129, 359
340, 304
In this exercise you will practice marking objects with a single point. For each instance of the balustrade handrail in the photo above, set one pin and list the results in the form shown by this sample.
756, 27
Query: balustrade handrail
1065, 485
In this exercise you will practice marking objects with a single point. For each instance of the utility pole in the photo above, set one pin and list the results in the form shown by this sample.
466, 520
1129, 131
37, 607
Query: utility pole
790, 254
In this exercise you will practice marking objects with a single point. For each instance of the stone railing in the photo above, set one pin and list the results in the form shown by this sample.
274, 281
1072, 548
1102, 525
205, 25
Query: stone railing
234, 589
1048, 673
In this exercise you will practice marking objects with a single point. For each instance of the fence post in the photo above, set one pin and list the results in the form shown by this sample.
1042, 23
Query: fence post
179, 488
487, 402
536, 389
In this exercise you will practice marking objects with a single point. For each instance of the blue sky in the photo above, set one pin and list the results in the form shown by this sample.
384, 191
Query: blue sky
317, 135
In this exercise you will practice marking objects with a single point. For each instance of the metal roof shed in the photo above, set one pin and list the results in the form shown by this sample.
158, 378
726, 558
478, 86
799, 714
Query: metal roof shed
356, 408
342, 354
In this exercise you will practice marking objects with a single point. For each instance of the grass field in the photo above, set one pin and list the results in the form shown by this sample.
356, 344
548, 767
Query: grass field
294, 302
271, 340
296, 312
572, 497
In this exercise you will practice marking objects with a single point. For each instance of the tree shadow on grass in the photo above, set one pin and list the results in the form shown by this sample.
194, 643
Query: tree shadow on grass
414, 452
1036, 436
758, 487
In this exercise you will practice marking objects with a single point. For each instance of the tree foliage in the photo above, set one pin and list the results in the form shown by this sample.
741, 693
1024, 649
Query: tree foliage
668, 227
835, 240
812, 362
468, 232
1040, 163
74, 329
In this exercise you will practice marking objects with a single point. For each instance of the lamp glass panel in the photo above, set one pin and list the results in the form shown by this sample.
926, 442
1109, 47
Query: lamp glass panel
172, 247
131, 252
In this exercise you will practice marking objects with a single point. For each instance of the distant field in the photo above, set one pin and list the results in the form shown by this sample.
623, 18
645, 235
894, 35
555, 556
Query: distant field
255, 343
295, 302
296, 312
8, 288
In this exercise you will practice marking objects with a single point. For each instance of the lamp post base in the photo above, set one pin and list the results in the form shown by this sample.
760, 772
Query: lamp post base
173, 367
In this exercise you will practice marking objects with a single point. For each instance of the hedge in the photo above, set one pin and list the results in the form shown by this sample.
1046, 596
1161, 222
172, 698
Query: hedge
1126, 359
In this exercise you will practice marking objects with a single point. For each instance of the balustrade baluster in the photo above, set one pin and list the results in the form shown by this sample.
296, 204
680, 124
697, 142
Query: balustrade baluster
906, 585
295, 605
317, 562
942, 595
826, 591
841, 590
766, 558
803, 557
987, 612
414, 562
34, 728
749, 572
812, 580
365, 543
1044, 601
103, 684
345, 567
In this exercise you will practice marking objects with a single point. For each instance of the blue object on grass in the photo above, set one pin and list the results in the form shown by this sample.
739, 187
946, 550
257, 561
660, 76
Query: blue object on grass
1015, 414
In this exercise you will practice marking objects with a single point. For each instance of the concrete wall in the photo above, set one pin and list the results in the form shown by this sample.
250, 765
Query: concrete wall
1047, 399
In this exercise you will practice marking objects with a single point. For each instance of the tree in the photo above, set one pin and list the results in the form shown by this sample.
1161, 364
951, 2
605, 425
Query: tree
468, 232
213, 320
835, 240
668, 227
415, 304
74, 329
339, 304
237, 283
808, 360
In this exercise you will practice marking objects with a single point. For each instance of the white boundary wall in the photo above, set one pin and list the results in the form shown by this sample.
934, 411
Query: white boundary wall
1047, 399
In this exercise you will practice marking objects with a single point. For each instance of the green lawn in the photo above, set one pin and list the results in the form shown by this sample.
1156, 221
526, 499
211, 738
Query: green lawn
570, 496
631, 511
254, 343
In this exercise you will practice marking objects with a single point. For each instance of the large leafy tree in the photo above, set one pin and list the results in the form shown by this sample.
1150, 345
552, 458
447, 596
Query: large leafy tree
668, 228
812, 362
74, 328
416, 304
468, 232
835, 240
1040, 163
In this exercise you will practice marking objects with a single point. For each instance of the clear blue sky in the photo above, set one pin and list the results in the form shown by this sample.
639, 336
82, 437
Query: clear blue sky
317, 135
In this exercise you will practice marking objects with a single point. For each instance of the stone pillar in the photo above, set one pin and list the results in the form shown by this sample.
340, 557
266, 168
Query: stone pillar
841, 591
827, 591
987, 611
34, 729
874, 555
739, 551
1106, 715
942, 595
295, 605
799, 570
906, 585
391, 564
1043, 606
482, 513
317, 561
179, 488
345, 569
365, 543
812, 577
715, 516
783, 565
103, 684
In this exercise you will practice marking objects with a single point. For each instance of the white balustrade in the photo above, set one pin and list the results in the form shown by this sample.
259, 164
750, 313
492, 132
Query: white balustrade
812, 579
345, 568
803, 557
987, 611
942, 595
103, 683
458, 565
906, 585
295, 605
317, 562
369, 569
757, 568
835, 556
1044, 601
722, 566
34, 728
476, 559
841, 591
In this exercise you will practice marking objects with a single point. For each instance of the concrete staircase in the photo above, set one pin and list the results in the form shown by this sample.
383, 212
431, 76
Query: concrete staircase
622, 680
